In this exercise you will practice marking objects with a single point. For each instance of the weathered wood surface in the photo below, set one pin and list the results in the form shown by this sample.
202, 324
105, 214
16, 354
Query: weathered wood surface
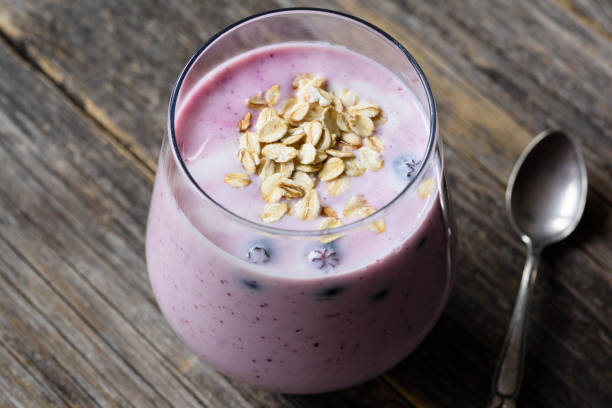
83, 95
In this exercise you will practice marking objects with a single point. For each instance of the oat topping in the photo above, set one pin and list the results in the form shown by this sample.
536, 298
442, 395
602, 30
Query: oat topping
332, 168
377, 226
279, 152
329, 223
270, 189
369, 109
237, 180
339, 185
266, 169
264, 116
272, 130
286, 169
308, 168
425, 188
362, 125
315, 135
252, 144
370, 158
351, 139
353, 205
273, 212
256, 102
292, 188
308, 207
340, 153
273, 95
374, 143
354, 167
247, 160
348, 98
307, 154
329, 212
304, 180
245, 122
357, 205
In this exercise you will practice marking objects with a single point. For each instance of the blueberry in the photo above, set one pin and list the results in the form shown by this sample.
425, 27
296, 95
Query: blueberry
324, 257
258, 254
406, 166
380, 295
422, 242
331, 292
250, 283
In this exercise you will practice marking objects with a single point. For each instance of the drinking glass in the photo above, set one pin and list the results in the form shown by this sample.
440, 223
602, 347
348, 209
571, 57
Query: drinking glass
278, 329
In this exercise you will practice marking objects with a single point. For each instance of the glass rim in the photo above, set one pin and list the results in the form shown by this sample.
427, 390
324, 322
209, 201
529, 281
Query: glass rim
270, 230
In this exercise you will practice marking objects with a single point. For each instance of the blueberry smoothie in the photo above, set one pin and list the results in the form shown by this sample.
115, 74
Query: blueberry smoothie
292, 241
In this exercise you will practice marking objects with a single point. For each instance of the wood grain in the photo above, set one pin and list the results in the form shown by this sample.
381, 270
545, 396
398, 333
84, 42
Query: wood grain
83, 111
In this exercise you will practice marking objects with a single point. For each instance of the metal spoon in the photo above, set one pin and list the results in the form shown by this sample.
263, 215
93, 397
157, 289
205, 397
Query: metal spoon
545, 199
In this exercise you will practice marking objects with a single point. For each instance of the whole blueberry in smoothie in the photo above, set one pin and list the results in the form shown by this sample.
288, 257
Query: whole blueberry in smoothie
298, 236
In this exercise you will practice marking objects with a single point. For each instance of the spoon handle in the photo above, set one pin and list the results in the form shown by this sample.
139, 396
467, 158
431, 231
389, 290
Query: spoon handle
509, 373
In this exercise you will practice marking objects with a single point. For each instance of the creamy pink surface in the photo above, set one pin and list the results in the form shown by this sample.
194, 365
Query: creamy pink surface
286, 324
208, 139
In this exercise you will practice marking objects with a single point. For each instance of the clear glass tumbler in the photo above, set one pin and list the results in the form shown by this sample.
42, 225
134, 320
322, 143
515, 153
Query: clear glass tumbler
288, 332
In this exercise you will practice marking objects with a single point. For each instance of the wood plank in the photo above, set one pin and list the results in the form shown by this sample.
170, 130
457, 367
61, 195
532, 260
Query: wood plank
23, 343
19, 388
62, 170
485, 137
44, 350
38, 312
595, 14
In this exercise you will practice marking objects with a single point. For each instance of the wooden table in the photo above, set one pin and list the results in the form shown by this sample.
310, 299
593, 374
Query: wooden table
84, 88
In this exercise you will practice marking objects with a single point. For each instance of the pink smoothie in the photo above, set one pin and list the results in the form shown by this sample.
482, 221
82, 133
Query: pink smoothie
281, 319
